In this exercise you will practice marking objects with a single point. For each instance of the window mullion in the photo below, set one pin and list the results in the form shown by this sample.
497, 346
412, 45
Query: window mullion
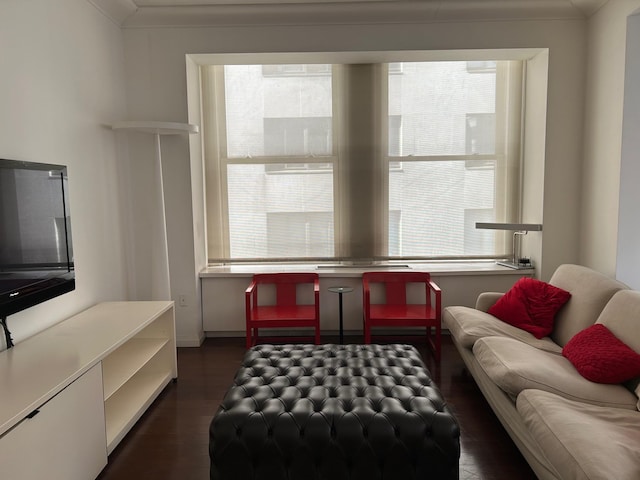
508, 132
363, 159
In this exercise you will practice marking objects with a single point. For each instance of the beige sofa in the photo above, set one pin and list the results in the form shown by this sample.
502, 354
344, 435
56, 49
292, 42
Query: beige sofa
566, 426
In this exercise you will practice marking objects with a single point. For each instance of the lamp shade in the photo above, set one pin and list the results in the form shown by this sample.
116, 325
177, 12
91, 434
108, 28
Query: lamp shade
529, 227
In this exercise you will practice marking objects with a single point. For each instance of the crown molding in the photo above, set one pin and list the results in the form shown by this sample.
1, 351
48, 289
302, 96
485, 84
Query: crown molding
116, 10
186, 13
174, 3
588, 7
351, 12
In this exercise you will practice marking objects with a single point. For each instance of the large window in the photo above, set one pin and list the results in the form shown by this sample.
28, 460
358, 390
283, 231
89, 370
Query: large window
302, 165
447, 116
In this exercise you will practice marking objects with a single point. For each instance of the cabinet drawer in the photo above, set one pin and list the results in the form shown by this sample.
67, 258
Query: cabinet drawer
64, 439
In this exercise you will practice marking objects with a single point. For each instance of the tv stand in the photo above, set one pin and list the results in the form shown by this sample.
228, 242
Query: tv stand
73, 391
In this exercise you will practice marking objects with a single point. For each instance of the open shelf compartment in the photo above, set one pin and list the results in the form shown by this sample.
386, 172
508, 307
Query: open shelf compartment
123, 364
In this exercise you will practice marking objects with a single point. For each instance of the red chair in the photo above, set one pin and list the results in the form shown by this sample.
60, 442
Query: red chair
395, 311
286, 311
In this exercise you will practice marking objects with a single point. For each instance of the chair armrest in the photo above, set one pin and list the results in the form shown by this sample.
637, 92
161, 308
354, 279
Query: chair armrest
486, 300
438, 294
434, 286
250, 299
316, 296
250, 288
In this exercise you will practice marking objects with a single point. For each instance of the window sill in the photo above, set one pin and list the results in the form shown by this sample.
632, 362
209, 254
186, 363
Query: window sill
445, 268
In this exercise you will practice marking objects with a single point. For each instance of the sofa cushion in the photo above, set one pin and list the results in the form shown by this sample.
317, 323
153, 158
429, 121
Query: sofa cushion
583, 441
590, 292
467, 325
531, 305
600, 356
515, 366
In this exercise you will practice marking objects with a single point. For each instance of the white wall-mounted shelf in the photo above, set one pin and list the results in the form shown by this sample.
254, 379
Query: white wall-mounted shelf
157, 128
160, 275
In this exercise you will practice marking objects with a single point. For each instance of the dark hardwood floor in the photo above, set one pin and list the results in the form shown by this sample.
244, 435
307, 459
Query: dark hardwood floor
171, 440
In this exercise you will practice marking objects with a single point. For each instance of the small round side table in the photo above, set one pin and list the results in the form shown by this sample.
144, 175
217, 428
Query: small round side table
340, 291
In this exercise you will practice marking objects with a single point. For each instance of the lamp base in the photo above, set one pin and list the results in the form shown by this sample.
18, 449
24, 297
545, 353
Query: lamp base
515, 266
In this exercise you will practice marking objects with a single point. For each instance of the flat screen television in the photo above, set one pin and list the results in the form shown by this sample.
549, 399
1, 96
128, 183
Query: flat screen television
36, 252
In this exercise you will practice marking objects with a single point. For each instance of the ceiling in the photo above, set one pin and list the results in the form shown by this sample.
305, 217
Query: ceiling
139, 13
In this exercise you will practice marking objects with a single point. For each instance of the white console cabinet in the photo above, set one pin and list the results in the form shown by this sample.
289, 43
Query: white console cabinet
69, 394
64, 438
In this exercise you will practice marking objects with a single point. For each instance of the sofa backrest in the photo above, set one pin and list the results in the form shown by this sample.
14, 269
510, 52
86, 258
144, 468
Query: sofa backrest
590, 292
622, 316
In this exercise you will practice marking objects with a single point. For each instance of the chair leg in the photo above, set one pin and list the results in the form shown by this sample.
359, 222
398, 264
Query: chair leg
249, 334
435, 342
367, 334
317, 338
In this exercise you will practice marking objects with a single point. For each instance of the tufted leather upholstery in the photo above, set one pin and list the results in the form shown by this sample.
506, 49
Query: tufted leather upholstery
333, 412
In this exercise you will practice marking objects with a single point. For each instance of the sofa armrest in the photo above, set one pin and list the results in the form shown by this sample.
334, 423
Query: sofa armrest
486, 300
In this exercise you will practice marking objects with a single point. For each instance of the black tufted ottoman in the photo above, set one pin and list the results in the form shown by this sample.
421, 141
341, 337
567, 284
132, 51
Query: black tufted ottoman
304, 412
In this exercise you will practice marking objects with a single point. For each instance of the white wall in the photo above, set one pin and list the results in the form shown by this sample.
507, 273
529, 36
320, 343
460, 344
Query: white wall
156, 88
628, 259
607, 31
535, 119
61, 83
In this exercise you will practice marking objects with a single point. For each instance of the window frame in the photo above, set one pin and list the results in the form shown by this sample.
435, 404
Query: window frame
218, 236
214, 92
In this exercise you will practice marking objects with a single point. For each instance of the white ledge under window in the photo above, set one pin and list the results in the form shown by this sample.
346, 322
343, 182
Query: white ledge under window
439, 268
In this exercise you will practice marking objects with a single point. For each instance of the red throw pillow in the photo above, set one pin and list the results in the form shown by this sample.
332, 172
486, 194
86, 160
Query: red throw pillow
531, 305
601, 357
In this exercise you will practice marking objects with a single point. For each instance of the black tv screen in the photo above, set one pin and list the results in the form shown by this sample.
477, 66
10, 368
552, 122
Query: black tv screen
36, 252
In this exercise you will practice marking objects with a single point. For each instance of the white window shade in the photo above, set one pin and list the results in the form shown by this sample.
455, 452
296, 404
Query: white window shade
453, 159
271, 115
279, 161
434, 100
279, 215
433, 199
